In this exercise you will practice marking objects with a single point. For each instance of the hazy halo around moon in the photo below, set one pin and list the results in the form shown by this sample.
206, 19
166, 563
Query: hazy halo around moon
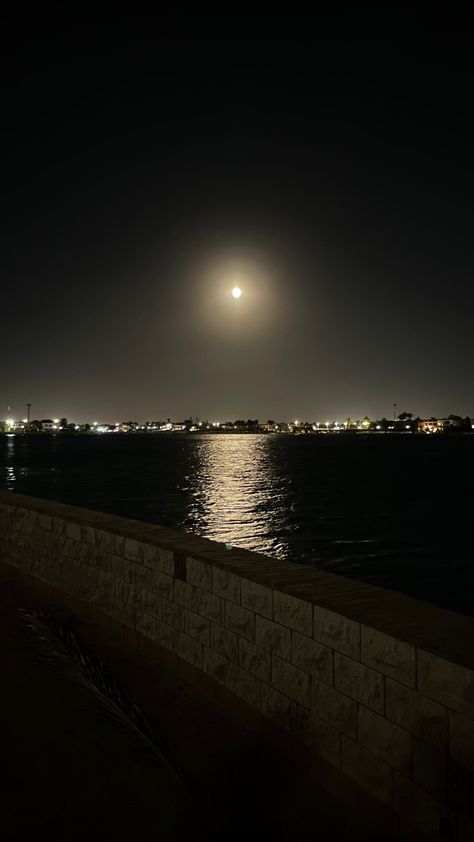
236, 292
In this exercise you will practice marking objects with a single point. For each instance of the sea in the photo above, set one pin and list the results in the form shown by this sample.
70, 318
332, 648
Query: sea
393, 510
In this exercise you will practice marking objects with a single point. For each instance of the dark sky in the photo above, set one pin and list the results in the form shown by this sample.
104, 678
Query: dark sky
150, 164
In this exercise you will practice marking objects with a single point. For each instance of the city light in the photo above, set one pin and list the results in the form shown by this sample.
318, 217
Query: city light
406, 423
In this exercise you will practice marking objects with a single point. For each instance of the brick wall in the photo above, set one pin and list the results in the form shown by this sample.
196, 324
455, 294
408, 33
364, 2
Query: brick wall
378, 685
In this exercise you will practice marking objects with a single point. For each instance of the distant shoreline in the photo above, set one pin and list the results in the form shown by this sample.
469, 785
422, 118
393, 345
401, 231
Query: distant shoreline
285, 433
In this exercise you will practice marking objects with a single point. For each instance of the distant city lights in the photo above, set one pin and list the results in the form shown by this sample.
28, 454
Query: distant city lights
405, 423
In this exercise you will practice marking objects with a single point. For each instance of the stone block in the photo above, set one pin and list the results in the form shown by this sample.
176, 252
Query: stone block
127, 614
292, 612
239, 620
166, 561
197, 627
58, 526
461, 740
105, 541
162, 584
45, 522
88, 535
126, 593
273, 636
369, 771
255, 660
74, 531
430, 769
417, 807
190, 650
447, 683
185, 595
150, 556
417, 713
359, 682
225, 642
199, 573
388, 741
166, 635
118, 566
119, 544
83, 552
334, 707
226, 585
388, 655
133, 550
90, 575
291, 681
257, 598
244, 685
151, 602
146, 625
141, 577
100, 556
216, 665
99, 598
319, 736
172, 614
279, 709
47, 540
158, 559
337, 632
210, 606
312, 657
64, 544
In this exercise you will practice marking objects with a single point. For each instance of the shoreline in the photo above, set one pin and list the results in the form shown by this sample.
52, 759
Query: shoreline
286, 433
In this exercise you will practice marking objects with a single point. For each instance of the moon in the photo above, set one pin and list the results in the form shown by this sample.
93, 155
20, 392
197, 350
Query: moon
236, 292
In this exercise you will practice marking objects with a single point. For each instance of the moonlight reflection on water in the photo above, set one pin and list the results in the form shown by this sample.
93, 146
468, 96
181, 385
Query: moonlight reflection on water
237, 494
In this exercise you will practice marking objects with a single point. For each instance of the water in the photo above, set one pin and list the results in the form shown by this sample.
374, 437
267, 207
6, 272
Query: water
396, 511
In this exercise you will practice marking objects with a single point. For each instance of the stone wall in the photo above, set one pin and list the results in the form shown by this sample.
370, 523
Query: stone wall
379, 686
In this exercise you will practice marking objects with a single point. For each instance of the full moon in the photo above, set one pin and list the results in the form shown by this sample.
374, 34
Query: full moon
236, 292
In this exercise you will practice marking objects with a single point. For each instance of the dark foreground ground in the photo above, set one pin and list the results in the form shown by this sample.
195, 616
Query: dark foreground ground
70, 774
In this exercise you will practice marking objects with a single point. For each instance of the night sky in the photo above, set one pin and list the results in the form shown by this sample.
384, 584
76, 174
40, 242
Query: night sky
150, 165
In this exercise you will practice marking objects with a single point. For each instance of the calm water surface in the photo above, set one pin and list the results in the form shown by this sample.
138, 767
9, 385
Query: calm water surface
393, 510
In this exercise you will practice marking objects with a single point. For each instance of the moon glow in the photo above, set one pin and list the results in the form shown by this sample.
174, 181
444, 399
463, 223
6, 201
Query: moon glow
236, 292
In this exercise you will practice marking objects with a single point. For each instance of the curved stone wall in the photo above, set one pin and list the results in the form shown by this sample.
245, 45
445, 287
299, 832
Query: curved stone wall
379, 686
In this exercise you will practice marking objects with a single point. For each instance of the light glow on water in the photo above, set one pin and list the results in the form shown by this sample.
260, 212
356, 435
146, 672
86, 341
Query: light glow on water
237, 493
